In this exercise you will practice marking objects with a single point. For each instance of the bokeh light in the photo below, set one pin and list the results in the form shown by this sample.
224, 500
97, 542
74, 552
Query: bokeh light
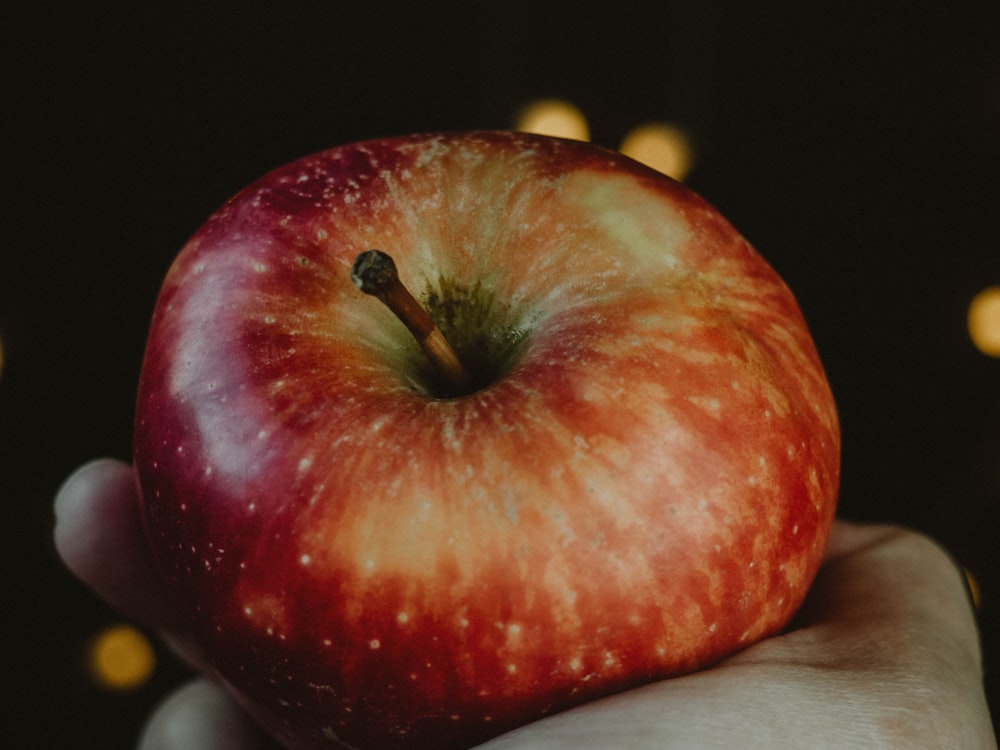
662, 146
984, 321
975, 593
555, 117
121, 658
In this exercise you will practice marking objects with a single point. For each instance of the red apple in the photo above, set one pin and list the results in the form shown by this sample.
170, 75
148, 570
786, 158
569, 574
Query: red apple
638, 481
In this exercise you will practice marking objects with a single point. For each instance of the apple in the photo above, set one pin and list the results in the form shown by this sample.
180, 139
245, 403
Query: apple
628, 473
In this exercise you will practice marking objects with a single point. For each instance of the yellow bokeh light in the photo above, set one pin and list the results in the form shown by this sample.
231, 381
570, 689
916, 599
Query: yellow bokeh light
984, 321
554, 117
121, 658
662, 146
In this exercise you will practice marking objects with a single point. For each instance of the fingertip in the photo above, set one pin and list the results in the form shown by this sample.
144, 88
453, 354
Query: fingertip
99, 536
201, 715
82, 478
79, 503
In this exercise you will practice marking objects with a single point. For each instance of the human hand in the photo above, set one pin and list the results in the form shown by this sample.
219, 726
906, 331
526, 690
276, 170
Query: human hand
884, 653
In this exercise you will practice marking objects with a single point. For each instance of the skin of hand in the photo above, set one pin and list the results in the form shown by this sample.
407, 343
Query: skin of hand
884, 653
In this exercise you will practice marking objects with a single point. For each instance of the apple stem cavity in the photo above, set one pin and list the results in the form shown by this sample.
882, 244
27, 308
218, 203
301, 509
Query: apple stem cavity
374, 273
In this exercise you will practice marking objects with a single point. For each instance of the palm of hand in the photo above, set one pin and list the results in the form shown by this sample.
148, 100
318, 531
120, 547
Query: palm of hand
885, 653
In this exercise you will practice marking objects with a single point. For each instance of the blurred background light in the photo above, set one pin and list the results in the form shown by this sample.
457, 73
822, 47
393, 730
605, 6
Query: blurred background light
555, 117
975, 593
121, 658
984, 321
662, 146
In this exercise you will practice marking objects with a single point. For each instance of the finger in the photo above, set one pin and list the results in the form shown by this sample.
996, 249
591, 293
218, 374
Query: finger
201, 715
99, 536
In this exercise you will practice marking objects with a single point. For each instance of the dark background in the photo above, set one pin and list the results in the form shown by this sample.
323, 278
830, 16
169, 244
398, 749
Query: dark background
857, 145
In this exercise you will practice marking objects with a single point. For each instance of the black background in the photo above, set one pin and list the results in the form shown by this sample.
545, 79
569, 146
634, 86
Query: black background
857, 145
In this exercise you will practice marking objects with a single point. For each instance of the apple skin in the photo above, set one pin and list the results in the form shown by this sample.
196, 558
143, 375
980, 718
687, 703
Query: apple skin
646, 488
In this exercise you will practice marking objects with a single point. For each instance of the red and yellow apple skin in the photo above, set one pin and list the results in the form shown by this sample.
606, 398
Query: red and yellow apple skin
646, 487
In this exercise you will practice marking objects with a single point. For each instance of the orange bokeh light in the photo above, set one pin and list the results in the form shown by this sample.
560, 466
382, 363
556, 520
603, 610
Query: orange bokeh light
983, 321
121, 658
662, 146
554, 117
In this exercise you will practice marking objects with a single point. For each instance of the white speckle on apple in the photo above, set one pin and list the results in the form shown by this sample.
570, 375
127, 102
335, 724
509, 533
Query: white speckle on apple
402, 618
305, 463
262, 434
305, 560
374, 644
511, 668
259, 267
713, 627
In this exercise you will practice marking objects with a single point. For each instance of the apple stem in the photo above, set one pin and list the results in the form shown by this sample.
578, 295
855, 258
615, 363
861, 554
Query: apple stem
374, 273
